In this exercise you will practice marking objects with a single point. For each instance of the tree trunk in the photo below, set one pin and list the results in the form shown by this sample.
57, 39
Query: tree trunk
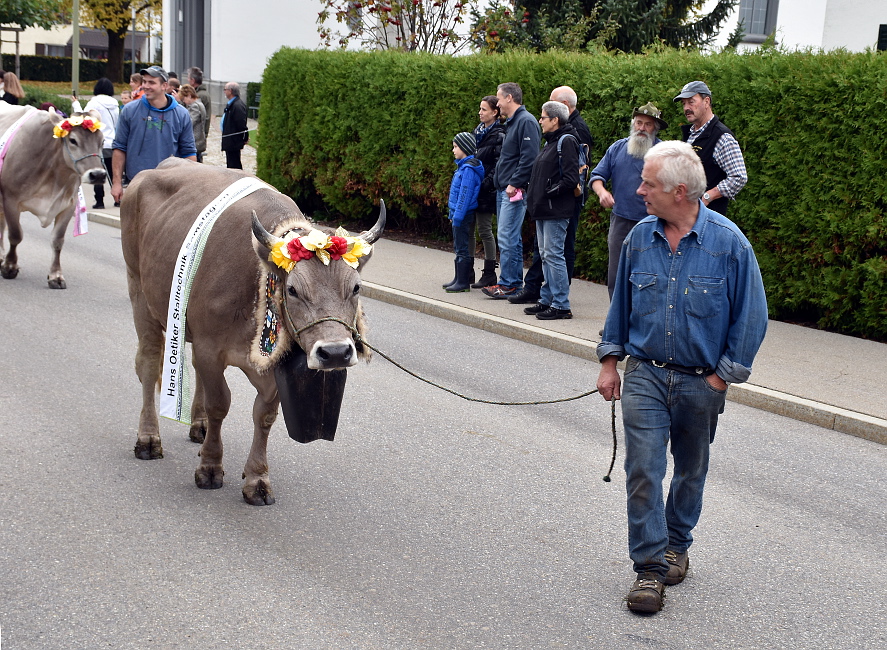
114, 70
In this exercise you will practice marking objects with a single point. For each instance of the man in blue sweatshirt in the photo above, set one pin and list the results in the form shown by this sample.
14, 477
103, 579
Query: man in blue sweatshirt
519, 151
150, 130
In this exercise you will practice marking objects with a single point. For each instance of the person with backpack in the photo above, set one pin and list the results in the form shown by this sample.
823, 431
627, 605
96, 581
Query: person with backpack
551, 200
533, 278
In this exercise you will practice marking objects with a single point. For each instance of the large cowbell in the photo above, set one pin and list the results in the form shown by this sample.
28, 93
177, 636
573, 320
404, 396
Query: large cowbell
311, 399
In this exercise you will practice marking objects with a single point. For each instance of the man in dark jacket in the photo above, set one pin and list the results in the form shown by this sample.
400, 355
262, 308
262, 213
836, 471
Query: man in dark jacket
551, 202
715, 145
533, 278
234, 132
512, 176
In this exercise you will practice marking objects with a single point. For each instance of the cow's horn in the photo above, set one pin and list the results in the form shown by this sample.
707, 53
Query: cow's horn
265, 238
375, 232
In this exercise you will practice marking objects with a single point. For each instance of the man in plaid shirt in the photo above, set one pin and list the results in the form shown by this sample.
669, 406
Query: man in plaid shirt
715, 145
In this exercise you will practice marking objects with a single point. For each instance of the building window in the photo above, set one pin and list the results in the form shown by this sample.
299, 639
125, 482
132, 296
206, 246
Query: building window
758, 18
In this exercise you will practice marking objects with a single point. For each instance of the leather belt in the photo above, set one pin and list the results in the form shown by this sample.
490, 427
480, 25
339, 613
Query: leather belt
687, 370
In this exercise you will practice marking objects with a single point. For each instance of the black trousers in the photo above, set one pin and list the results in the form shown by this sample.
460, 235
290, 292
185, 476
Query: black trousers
232, 156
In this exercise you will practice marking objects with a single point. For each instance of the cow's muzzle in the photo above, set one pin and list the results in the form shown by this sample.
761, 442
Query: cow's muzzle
332, 355
94, 177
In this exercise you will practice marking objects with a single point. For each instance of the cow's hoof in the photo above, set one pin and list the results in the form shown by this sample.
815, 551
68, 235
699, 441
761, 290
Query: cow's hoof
57, 283
149, 449
258, 493
197, 433
9, 273
209, 477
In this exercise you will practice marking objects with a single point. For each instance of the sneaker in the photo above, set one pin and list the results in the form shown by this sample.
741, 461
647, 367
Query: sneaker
535, 309
98, 206
647, 594
553, 313
498, 292
524, 297
678, 563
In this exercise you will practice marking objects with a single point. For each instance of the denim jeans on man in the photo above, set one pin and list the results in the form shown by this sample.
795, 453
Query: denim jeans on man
463, 239
658, 406
509, 221
550, 235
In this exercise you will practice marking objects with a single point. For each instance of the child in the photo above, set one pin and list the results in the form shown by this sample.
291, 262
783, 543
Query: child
125, 97
463, 202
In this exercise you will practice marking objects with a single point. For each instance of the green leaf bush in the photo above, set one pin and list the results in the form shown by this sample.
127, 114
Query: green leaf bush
340, 130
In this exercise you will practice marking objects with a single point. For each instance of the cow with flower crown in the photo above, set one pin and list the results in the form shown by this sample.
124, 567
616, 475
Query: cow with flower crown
44, 158
218, 259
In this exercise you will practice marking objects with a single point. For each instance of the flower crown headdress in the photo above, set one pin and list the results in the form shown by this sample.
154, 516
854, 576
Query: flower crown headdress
62, 130
294, 247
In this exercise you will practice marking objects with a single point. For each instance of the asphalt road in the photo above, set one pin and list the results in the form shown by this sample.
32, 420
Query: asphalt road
430, 522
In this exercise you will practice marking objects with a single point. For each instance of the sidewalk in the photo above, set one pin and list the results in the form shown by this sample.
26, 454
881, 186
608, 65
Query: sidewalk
827, 379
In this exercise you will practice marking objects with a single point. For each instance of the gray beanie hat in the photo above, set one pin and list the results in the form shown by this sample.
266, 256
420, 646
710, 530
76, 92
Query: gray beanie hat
465, 141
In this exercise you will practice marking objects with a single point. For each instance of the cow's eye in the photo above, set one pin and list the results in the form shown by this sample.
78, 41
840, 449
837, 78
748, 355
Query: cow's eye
73, 141
356, 289
291, 290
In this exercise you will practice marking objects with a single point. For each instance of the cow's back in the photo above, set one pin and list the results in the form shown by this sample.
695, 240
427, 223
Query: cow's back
157, 212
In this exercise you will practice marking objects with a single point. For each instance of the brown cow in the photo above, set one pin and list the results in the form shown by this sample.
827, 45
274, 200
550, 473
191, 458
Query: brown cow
223, 321
42, 174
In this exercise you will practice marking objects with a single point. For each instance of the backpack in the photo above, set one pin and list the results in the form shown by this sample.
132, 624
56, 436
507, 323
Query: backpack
579, 190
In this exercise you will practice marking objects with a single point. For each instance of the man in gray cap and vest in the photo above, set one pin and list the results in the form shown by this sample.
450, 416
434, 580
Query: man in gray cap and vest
715, 145
621, 166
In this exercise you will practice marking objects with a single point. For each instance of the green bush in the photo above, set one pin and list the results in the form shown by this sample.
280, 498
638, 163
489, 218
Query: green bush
348, 128
36, 97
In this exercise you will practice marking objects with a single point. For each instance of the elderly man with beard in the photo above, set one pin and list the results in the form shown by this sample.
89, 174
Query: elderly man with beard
622, 166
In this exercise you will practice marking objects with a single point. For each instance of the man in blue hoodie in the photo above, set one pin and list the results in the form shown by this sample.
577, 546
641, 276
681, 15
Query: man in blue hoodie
150, 130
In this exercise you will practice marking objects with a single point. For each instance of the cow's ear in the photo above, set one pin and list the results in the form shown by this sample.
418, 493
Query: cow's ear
95, 114
55, 118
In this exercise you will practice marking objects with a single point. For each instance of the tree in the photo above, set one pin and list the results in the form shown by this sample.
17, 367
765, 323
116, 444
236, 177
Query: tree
115, 17
34, 13
409, 25
624, 25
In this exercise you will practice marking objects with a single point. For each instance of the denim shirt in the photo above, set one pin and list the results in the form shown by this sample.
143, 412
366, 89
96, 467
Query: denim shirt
701, 306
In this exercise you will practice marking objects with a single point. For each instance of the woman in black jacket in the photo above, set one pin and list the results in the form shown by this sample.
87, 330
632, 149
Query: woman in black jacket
489, 134
550, 203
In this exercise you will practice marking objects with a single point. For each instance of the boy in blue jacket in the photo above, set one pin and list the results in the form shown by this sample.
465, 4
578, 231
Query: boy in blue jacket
462, 204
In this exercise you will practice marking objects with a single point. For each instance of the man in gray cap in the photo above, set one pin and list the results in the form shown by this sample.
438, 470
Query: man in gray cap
622, 166
715, 145
150, 130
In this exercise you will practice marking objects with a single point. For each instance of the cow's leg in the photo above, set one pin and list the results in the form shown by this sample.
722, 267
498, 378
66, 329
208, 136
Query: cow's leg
197, 433
217, 401
257, 484
9, 264
149, 362
55, 278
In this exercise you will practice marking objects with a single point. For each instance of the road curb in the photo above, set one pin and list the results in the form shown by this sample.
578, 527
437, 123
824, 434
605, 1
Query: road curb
759, 397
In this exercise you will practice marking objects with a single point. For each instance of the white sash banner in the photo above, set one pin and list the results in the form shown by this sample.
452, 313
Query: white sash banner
81, 217
175, 394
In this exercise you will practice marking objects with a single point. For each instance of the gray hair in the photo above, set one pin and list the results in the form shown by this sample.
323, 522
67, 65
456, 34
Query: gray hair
234, 87
558, 110
196, 74
678, 164
511, 88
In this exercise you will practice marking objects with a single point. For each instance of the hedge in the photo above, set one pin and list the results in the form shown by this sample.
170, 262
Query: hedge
349, 128
58, 68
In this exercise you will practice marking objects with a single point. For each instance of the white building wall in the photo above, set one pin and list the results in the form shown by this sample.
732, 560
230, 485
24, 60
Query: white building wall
244, 35
826, 24
853, 24
28, 39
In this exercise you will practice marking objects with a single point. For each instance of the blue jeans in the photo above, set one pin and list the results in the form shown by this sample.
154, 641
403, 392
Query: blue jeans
533, 279
551, 234
463, 239
658, 405
509, 221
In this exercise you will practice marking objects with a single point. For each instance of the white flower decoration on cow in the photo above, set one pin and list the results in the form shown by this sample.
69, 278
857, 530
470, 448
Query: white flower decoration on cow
294, 247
